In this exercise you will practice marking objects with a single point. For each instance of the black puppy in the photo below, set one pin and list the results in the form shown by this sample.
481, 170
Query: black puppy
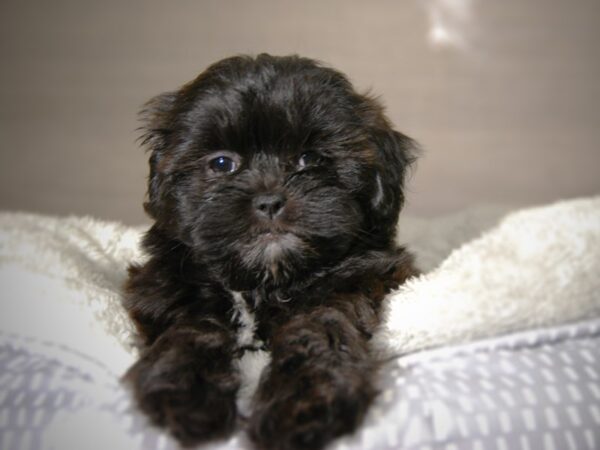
275, 190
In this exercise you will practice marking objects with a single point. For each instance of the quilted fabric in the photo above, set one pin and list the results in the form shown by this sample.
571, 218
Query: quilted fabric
532, 390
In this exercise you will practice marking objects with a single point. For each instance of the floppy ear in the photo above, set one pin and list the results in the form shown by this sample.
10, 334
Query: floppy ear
395, 154
157, 135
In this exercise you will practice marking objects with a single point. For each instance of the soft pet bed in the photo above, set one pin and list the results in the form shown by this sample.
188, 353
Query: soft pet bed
496, 346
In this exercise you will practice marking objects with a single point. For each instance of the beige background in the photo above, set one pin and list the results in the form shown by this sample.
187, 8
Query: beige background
504, 96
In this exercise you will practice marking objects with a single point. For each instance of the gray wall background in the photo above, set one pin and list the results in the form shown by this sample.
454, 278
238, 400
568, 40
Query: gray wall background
503, 96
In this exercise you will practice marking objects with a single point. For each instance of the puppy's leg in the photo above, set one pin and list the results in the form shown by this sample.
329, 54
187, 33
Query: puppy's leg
185, 381
319, 384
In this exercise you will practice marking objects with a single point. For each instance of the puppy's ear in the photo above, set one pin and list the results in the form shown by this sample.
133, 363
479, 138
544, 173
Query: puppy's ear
157, 134
395, 154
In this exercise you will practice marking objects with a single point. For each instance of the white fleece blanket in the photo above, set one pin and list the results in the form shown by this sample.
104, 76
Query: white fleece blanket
60, 278
539, 267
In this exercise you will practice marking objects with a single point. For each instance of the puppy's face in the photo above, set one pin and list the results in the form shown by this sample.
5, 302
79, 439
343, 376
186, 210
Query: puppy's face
269, 168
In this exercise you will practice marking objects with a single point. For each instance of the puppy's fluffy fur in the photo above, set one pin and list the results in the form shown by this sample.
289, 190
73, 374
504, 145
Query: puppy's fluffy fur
274, 187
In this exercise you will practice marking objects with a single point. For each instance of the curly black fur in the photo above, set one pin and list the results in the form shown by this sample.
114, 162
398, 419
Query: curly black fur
273, 180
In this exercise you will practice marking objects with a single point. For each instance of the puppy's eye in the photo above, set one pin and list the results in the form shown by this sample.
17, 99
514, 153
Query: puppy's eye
222, 164
308, 159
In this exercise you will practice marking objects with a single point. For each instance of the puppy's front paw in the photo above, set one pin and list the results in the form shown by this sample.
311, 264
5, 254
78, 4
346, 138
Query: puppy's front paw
309, 412
193, 415
178, 391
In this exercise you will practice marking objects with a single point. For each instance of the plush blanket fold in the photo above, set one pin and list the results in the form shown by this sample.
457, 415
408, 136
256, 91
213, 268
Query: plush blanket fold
537, 267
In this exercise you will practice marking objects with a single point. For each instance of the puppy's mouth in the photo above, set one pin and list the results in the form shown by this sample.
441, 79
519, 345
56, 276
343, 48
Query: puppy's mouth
271, 246
274, 255
269, 237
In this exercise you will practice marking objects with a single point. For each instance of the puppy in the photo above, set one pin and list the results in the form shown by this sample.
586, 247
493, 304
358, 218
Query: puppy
275, 190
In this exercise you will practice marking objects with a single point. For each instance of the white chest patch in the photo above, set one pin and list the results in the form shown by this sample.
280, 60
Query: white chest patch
251, 364
244, 317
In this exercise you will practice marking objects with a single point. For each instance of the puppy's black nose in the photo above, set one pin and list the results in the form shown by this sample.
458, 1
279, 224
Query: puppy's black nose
269, 205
